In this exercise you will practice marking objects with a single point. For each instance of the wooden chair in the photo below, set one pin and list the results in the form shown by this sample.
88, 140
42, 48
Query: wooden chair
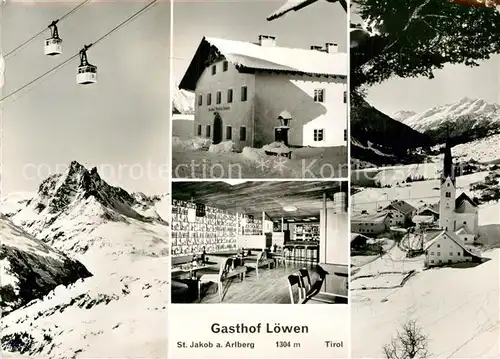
260, 261
306, 280
295, 280
316, 295
281, 257
225, 271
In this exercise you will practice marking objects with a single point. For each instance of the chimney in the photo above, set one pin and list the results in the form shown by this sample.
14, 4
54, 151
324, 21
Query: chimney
267, 41
317, 48
331, 48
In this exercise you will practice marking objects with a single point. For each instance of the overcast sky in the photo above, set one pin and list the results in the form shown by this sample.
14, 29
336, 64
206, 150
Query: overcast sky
450, 84
119, 124
245, 20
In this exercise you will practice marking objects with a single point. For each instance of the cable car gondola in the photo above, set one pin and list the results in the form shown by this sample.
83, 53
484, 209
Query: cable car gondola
87, 73
53, 45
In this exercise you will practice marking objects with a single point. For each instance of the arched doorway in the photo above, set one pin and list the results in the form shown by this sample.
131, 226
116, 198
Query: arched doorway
217, 138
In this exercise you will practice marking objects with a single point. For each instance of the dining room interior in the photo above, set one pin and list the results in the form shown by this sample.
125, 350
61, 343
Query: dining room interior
269, 242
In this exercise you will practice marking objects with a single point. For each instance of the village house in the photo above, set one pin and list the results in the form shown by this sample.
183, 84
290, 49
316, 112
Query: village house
423, 222
402, 213
371, 224
254, 94
358, 241
429, 211
448, 248
426, 217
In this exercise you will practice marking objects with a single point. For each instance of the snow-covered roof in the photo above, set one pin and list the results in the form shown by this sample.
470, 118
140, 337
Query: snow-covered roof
401, 206
423, 219
378, 217
434, 208
289, 5
464, 229
455, 238
358, 235
250, 56
294, 5
464, 197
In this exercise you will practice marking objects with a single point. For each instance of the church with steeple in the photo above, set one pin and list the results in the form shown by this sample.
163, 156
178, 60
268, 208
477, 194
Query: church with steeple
458, 220
456, 214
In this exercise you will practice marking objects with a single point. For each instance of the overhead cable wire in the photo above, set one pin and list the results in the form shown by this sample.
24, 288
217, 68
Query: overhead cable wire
45, 29
137, 14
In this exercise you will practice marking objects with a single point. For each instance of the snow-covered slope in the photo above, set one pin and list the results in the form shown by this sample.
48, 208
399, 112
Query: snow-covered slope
14, 202
436, 116
401, 116
439, 300
482, 150
122, 239
29, 268
182, 101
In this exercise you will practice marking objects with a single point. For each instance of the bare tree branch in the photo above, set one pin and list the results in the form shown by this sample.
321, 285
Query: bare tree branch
410, 343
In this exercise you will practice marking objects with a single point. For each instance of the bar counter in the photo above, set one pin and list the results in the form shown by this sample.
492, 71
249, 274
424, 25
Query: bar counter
303, 250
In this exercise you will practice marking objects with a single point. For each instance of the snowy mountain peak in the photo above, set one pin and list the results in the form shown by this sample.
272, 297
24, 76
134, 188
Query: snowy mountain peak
403, 115
80, 192
78, 202
182, 101
475, 109
58, 191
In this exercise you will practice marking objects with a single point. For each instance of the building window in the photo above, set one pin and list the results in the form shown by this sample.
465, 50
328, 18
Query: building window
214, 70
318, 135
432, 260
243, 133
432, 253
345, 96
218, 98
451, 253
439, 254
229, 133
199, 130
208, 130
244, 93
449, 261
448, 194
209, 99
439, 246
319, 95
448, 185
230, 96
440, 261
345, 135
458, 253
225, 66
200, 99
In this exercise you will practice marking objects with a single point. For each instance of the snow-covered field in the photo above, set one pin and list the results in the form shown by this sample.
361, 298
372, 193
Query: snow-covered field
116, 316
394, 175
456, 307
416, 193
482, 150
190, 161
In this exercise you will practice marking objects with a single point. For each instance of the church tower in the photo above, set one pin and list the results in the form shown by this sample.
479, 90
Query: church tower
448, 193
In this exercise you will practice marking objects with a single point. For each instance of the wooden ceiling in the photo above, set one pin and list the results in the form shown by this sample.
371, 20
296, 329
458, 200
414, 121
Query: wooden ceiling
269, 196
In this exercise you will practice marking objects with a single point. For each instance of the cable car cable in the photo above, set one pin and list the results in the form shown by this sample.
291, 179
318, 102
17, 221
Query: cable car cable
138, 13
45, 29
